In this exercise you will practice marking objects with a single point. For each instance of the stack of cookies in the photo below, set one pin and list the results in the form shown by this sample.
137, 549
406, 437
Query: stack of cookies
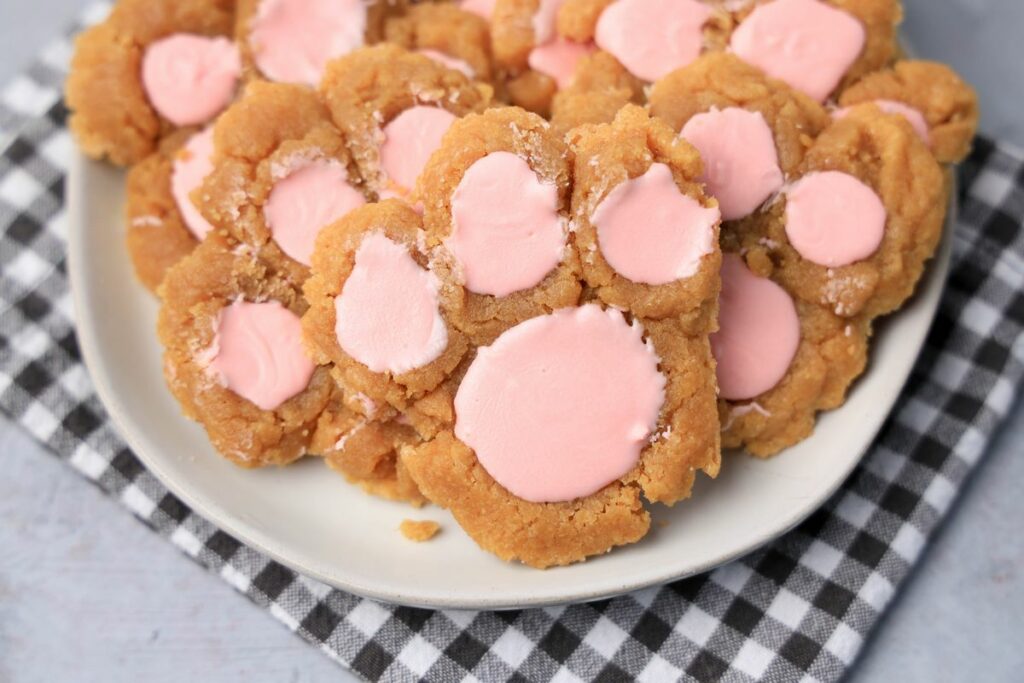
534, 262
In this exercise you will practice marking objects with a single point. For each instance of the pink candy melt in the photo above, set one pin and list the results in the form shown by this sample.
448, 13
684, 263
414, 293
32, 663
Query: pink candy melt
560, 406
258, 354
653, 37
453, 63
758, 334
558, 59
913, 116
833, 219
306, 201
409, 140
292, 40
805, 43
388, 317
650, 232
507, 234
191, 166
741, 166
190, 79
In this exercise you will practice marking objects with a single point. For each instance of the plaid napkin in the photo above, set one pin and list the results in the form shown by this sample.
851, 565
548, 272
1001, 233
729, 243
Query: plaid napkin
798, 609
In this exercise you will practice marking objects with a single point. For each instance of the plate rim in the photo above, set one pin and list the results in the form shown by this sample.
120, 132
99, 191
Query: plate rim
931, 286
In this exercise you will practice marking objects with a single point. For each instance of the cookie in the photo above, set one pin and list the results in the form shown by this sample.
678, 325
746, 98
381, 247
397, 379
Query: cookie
942, 108
375, 313
281, 173
780, 361
225, 314
645, 232
292, 41
753, 132
164, 225
496, 200
870, 182
535, 60
557, 495
456, 38
151, 67
817, 47
393, 106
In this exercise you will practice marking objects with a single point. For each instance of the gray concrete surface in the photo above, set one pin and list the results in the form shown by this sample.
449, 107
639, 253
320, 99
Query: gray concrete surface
89, 594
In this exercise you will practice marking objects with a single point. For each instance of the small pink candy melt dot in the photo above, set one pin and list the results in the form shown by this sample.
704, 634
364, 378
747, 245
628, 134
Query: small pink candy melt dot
304, 202
409, 140
507, 234
806, 43
558, 59
913, 116
191, 166
833, 219
741, 165
190, 79
388, 315
758, 334
562, 405
257, 353
292, 40
652, 233
448, 61
653, 37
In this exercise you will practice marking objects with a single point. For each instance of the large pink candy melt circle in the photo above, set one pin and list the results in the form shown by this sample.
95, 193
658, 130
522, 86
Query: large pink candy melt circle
913, 116
833, 219
481, 8
653, 37
560, 406
806, 43
306, 201
190, 79
507, 234
758, 335
558, 59
388, 314
292, 40
741, 165
191, 166
257, 353
652, 233
409, 140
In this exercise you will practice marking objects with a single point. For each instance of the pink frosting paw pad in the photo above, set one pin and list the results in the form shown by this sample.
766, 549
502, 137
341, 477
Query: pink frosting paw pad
507, 233
741, 164
409, 140
558, 59
652, 38
758, 335
292, 40
305, 201
388, 313
257, 353
557, 371
833, 219
189, 79
191, 166
805, 43
652, 233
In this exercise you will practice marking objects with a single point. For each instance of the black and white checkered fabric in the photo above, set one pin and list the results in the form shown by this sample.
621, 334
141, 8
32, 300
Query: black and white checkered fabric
798, 609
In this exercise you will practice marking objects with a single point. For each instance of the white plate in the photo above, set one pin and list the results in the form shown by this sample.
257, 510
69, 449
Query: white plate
311, 520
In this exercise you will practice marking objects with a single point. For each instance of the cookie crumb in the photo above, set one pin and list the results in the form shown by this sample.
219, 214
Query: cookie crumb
418, 532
